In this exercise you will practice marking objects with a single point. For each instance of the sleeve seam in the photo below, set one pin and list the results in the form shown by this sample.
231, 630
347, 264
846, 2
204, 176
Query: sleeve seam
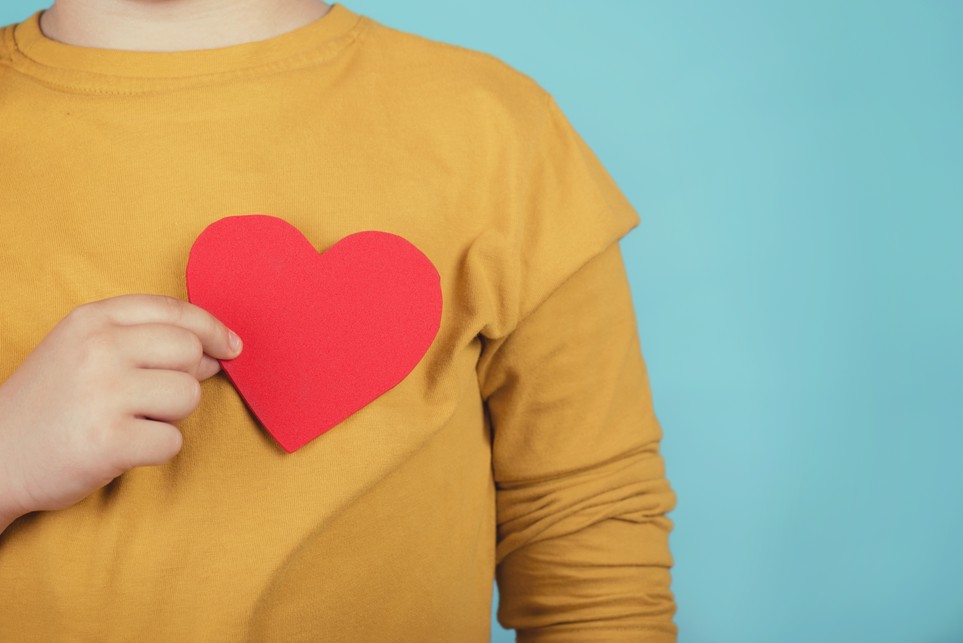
528, 165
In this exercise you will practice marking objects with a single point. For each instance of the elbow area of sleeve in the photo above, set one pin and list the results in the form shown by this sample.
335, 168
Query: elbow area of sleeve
586, 557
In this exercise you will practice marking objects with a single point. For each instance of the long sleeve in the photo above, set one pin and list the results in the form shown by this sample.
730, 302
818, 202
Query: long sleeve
581, 492
583, 551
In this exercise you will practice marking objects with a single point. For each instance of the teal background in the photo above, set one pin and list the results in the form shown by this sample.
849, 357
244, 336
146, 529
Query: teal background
797, 278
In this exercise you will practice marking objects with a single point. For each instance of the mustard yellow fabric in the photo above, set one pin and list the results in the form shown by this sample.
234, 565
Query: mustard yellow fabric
525, 441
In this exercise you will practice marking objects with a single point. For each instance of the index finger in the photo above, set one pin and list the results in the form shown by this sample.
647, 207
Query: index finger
139, 308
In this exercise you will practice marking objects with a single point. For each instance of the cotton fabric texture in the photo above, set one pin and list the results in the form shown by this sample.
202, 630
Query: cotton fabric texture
523, 448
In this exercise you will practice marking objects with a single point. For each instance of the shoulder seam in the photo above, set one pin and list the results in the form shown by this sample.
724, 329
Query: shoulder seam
469, 52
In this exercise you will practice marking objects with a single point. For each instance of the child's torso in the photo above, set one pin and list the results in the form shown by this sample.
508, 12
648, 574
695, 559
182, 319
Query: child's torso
103, 195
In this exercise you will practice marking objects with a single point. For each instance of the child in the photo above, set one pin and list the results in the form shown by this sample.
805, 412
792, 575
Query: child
141, 498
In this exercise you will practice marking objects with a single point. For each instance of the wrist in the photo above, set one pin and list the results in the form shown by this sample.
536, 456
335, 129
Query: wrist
10, 509
7, 514
6, 521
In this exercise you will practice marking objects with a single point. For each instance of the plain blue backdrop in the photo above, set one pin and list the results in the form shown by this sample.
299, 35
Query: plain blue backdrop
798, 282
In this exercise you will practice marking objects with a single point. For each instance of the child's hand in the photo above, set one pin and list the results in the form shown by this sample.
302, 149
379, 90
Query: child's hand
94, 398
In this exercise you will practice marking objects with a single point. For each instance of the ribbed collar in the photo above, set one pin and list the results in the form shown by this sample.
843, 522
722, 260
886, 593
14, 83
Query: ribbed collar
126, 71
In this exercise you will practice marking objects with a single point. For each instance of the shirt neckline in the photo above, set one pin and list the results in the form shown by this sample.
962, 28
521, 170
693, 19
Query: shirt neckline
99, 70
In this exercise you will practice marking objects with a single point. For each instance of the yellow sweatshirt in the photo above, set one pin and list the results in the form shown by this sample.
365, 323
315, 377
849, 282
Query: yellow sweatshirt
522, 448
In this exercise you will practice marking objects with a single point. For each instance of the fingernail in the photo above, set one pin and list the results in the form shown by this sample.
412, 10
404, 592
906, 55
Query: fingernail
235, 341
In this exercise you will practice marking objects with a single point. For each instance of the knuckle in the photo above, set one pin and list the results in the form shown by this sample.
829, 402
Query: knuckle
103, 440
82, 316
214, 328
172, 305
97, 346
219, 330
192, 390
195, 345
177, 440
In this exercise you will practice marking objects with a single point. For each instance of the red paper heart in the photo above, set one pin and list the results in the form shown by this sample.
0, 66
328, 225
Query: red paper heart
324, 334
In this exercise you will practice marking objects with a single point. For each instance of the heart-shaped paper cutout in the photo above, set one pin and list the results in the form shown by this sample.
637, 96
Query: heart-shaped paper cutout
324, 334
